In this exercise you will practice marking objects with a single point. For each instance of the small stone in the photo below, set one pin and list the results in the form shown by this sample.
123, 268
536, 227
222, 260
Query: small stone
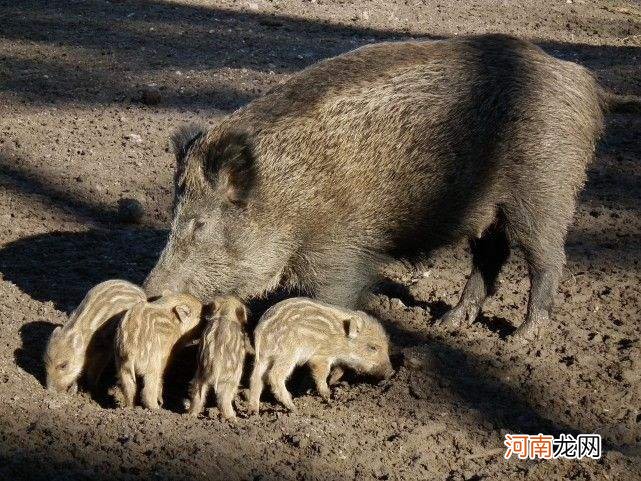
295, 440
412, 362
134, 138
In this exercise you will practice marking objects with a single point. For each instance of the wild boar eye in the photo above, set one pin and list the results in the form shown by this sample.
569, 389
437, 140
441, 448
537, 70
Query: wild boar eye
62, 365
372, 347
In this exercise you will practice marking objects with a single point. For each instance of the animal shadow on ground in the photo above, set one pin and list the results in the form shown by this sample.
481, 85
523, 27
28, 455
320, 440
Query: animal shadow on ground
438, 366
438, 308
61, 267
34, 337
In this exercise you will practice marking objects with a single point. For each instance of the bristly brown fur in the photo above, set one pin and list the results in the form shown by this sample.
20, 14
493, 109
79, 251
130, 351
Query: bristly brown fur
393, 149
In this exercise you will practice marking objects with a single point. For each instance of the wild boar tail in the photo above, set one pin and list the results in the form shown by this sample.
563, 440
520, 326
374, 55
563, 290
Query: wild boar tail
620, 104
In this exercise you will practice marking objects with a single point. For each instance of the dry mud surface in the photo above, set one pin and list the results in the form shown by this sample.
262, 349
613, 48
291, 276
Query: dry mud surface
75, 139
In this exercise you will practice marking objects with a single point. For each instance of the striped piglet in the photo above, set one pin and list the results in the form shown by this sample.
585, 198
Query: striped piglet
85, 343
145, 340
303, 331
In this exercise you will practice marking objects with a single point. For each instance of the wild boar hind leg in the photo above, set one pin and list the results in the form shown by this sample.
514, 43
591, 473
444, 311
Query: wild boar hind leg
546, 267
489, 253
199, 390
256, 384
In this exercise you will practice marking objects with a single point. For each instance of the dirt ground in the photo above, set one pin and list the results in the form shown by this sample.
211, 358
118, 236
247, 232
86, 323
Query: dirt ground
75, 139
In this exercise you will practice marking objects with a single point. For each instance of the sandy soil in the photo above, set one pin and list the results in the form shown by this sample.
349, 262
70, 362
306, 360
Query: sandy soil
75, 139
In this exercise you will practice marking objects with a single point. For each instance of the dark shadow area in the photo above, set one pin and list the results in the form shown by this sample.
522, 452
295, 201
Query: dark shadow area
51, 463
42, 190
34, 337
392, 289
438, 308
174, 40
500, 325
61, 267
463, 377
179, 373
612, 180
505, 406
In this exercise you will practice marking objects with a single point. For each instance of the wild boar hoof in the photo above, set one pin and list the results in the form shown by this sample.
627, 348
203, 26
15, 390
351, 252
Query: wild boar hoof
459, 315
452, 318
528, 331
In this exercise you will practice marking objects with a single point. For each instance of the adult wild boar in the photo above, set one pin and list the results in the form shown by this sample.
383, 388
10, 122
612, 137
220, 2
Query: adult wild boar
390, 150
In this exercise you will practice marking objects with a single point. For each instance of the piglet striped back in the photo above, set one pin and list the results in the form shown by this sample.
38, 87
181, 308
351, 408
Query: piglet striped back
102, 302
313, 319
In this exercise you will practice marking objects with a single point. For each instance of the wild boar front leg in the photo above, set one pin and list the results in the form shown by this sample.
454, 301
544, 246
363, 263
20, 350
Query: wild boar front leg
320, 368
278, 375
346, 280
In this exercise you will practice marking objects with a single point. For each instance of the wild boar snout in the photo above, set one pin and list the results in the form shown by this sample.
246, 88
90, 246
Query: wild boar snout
158, 283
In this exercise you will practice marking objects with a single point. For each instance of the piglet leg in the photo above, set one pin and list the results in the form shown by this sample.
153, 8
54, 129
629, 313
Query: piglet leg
320, 370
278, 374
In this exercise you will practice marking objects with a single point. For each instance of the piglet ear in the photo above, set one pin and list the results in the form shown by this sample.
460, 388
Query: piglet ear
353, 326
183, 312
230, 167
241, 314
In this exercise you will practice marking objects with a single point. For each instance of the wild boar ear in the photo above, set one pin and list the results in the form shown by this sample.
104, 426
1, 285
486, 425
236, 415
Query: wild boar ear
230, 167
181, 142
353, 326
183, 312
